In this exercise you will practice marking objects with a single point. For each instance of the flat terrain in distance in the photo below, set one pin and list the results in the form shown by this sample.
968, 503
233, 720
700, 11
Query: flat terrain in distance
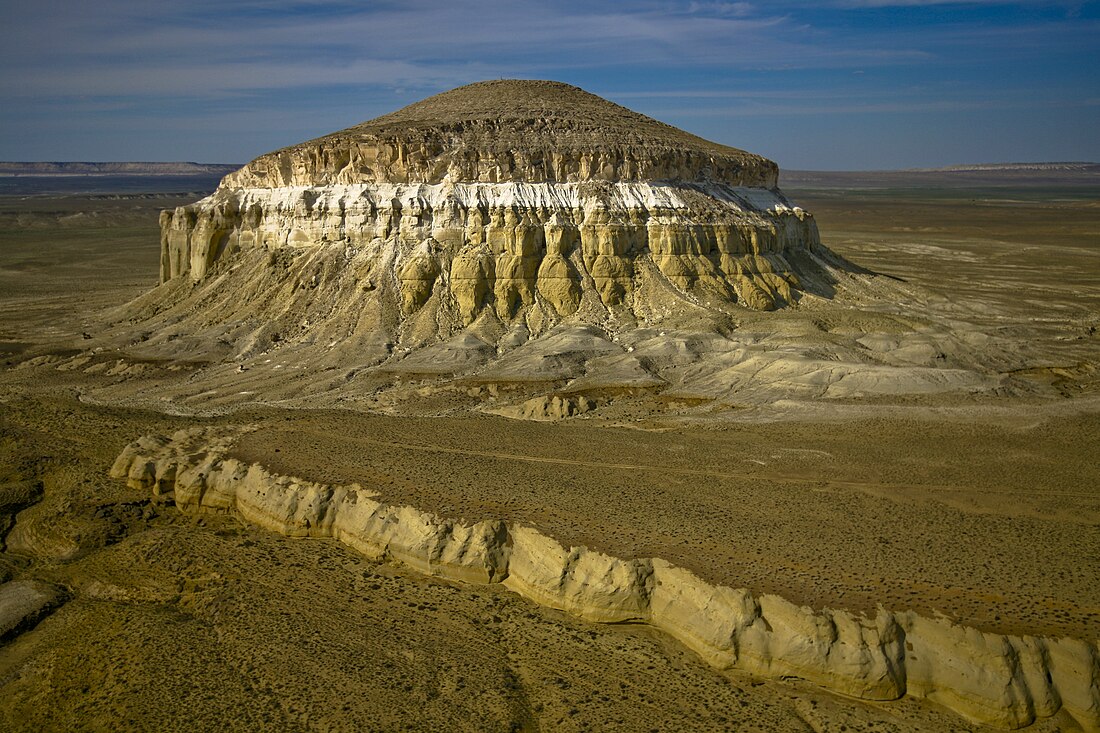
71, 246
1020, 257
984, 509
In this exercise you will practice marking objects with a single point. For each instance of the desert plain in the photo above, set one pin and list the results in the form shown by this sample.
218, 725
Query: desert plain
979, 503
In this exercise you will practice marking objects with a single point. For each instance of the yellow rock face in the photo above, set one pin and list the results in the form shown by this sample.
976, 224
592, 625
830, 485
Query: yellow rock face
418, 276
559, 284
530, 244
470, 277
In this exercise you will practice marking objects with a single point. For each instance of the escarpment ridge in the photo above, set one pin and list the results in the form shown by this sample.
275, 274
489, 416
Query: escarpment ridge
1002, 680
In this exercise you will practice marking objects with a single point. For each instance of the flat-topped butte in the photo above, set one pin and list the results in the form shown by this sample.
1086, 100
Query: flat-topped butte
504, 202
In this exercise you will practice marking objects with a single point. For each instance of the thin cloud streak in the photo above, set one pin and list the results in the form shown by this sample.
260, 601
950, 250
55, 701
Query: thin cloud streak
215, 79
341, 62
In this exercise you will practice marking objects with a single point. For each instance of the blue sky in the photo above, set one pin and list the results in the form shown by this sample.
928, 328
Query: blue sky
840, 84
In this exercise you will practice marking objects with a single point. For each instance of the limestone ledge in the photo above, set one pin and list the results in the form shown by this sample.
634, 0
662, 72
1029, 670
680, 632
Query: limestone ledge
992, 679
506, 244
498, 156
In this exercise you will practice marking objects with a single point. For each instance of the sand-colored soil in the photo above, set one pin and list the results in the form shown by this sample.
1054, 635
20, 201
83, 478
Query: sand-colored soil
67, 257
986, 524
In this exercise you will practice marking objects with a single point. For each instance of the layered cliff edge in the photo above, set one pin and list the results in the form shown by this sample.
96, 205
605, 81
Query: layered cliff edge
992, 679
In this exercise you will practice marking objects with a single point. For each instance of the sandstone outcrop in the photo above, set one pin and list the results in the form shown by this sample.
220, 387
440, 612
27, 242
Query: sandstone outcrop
549, 407
1001, 680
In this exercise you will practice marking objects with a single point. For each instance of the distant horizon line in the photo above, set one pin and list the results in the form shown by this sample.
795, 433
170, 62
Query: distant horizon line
953, 168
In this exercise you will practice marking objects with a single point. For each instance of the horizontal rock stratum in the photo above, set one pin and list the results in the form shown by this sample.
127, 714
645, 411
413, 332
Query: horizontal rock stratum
993, 679
530, 200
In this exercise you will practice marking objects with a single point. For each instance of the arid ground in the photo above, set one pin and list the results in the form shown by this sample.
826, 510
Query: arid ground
982, 507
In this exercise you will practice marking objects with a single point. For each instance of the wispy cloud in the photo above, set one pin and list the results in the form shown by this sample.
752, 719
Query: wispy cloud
734, 9
126, 46
314, 65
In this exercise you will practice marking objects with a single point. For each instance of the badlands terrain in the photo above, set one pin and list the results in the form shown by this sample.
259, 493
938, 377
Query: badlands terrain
898, 423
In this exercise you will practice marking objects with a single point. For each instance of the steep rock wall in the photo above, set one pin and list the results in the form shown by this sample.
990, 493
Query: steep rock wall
993, 679
440, 156
504, 246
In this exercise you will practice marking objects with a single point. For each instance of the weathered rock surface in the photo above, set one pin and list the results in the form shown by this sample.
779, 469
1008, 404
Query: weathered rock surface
14, 496
549, 407
511, 243
1001, 680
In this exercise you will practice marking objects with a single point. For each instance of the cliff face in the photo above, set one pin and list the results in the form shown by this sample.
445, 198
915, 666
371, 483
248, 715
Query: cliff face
510, 245
508, 197
478, 151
